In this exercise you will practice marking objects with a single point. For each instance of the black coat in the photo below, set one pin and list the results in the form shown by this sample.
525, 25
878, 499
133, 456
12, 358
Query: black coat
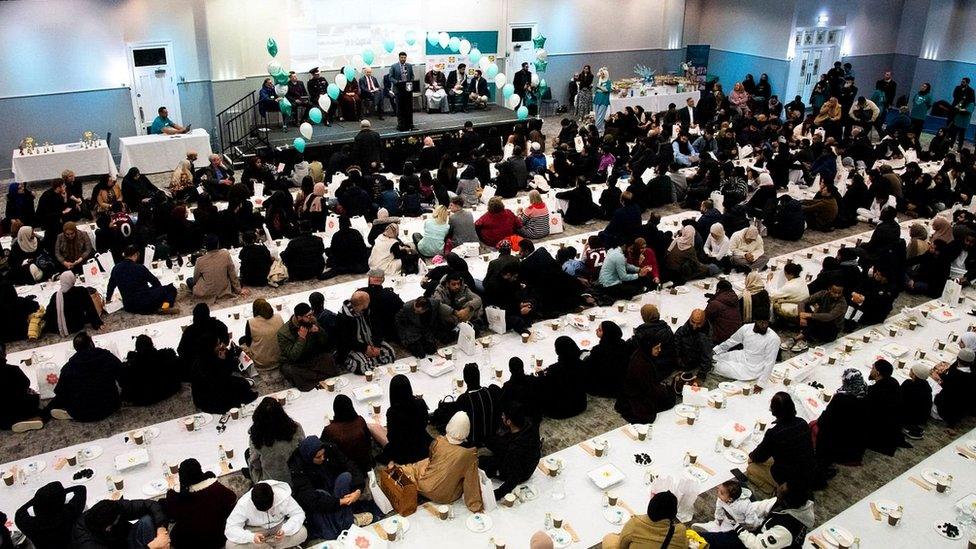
87, 387
48, 518
17, 402
916, 400
215, 387
515, 457
563, 390
789, 443
954, 402
642, 396
580, 207
148, 378
406, 432
303, 257
884, 416
841, 430
384, 304
366, 147
606, 366
693, 348
789, 221
79, 310
348, 252
83, 537
312, 485
256, 262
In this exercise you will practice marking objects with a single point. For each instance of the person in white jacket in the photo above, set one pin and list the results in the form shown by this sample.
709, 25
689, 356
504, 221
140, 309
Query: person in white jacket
267, 516
786, 299
717, 244
756, 358
872, 215
732, 509
746, 249
785, 522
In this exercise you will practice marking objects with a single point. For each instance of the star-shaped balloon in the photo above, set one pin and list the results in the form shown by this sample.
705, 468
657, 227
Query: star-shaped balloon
272, 47
540, 65
539, 42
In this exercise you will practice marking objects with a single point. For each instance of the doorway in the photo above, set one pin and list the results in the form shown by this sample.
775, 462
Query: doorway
520, 48
815, 49
153, 83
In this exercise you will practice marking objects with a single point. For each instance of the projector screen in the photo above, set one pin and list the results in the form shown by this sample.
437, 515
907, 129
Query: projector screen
332, 33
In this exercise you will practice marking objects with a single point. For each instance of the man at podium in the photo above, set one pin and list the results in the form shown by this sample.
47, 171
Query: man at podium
401, 77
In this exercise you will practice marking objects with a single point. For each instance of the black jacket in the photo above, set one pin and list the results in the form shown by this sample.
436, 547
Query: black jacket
215, 387
87, 388
658, 331
693, 348
348, 252
312, 484
515, 456
303, 257
366, 147
916, 399
147, 378
406, 431
606, 365
83, 537
788, 442
884, 409
79, 310
255, 264
581, 207
840, 437
48, 518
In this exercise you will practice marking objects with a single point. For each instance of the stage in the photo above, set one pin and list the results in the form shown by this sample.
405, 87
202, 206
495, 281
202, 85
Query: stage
397, 146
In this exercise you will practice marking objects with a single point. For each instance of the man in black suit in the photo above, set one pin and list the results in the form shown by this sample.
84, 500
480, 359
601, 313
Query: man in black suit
297, 96
688, 115
401, 71
457, 85
366, 147
371, 92
216, 178
522, 80
478, 89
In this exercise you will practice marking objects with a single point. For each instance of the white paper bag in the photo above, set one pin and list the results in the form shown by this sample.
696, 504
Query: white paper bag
694, 395
555, 222
359, 223
578, 143
113, 306
148, 254
259, 189
496, 319
93, 273
647, 176
47, 378
487, 492
745, 151
105, 261
331, 226
951, 292
466, 342
487, 192
379, 498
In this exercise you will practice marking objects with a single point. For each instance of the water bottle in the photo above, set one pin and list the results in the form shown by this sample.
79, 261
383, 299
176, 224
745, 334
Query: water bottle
548, 523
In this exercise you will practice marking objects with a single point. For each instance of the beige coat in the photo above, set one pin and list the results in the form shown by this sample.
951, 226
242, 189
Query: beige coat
449, 472
214, 275
264, 350
640, 533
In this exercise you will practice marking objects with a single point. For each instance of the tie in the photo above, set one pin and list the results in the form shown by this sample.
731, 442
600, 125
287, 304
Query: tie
403, 71
369, 80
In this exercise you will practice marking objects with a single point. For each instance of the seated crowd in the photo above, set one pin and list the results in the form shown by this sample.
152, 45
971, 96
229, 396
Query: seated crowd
308, 486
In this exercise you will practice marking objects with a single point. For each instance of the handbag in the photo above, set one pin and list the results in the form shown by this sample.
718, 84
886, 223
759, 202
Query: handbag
277, 274
35, 324
400, 489
443, 413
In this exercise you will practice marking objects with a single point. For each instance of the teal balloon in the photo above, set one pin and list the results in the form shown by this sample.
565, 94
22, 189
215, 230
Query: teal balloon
522, 113
432, 38
368, 56
281, 78
333, 91
349, 72
315, 115
539, 42
492, 71
540, 65
285, 106
388, 45
508, 90
454, 44
299, 144
272, 47
474, 56
411, 38
543, 85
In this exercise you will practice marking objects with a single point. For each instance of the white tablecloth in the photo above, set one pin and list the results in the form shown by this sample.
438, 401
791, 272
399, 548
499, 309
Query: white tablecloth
650, 103
70, 156
161, 153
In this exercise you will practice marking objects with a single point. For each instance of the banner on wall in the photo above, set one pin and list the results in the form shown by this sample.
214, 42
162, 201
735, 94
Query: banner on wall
447, 60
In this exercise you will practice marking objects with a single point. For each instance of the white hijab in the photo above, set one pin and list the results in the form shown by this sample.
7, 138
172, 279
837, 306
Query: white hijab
26, 239
66, 281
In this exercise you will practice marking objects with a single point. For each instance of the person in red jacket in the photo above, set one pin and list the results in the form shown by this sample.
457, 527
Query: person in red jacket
723, 313
497, 223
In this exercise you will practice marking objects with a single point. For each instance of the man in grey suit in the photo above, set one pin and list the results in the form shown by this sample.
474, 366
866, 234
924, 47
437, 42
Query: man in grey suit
371, 91
401, 72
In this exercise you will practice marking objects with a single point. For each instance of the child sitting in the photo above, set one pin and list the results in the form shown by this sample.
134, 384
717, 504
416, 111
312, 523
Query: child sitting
731, 509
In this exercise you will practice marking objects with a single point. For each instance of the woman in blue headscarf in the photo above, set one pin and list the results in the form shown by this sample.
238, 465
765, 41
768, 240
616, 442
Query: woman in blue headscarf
20, 203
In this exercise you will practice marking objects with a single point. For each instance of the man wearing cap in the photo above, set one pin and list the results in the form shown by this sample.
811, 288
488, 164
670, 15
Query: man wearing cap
884, 410
317, 87
916, 399
305, 350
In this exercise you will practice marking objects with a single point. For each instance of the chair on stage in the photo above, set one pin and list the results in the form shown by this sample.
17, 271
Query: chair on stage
548, 105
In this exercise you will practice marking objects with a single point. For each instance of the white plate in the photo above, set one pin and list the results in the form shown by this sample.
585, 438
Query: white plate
89, 453
155, 488
560, 538
696, 473
292, 394
403, 522
606, 476
886, 506
685, 410
729, 388
933, 476
366, 392
736, 456
836, 534
478, 523
401, 369
340, 382
202, 418
971, 445
940, 528
616, 515
633, 307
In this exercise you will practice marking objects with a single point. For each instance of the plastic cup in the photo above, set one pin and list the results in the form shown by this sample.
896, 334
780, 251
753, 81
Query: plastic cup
369, 375
189, 423
413, 367
443, 511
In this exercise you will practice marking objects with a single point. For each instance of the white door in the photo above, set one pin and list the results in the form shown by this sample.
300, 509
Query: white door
153, 84
815, 50
811, 67
520, 48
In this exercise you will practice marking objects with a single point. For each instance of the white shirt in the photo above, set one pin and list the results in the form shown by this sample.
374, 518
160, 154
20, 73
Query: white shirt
756, 358
716, 249
957, 269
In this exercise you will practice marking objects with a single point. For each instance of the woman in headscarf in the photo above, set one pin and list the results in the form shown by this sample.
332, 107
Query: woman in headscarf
562, 385
382, 221
840, 430
660, 527
215, 378
202, 324
601, 97
606, 364
642, 396
199, 508
468, 187
522, 389
22, 261
754, 302
405, 438
681, 260
72, 247
717, 246
71, 308
584, 92
349, 433
347, 252
148, 375
106, 194
280, 214
136, 187
451, 470
181, 181
941, 230
918, 243
272, 439
386, 249
314, 209
20, 203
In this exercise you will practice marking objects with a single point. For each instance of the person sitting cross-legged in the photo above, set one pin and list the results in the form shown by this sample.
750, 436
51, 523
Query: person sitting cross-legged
821, 318
267, 516
48, 518
123, 523
19, 404
141, 291
306, 357
198, 507
359, 348
515, 453
88, 386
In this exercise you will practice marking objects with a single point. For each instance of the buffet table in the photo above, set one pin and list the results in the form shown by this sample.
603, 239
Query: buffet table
656, 100
160, 153
43, 166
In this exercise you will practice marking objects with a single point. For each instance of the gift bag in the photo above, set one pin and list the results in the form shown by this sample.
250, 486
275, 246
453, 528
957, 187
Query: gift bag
93, 273
466, 342
148, 254
951, 293
379, 498
486, 193
487, 492
647, 175
399, 489
331, 226
496, 319
47, 378
359, 223
555, 222
258, 189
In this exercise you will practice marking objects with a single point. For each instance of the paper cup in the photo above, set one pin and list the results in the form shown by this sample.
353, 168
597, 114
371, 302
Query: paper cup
809, 255
229, 452
459, 383
941, 486
377, 408
848, 347
499, 543
827, 396
119, 483
893, 517
599, 450
508, 500
912, 324
746, 391
554, 325
499, 373
892, 332
278, 306
641, 431
8, 478
391, 531
189, 424
538, 362
866, 338
368, 375
621, 307
972, 542
330, 385
443, 511
691, 420
921, 353
72, 459
941, 345
138, 437
831, 360
674, 320
235, 413
612, 499
448, 353
413, 368
525, 338
787, 381
761, 424
591, 317
557, 521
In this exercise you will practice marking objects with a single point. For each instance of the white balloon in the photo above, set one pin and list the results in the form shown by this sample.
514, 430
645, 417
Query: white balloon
357, 63
443, 38
281, 89
500, 80
306, 130
465, 47
535, 79
483, 63
324, 103
340, 80
514, 100
541, 55
274, 67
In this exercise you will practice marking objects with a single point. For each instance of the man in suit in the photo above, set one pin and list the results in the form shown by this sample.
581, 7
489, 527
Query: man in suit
366, 147
217, 179
457, 86
401, 71
522, 80
371, 92
317, 87
297, 96
478, 89
688, 116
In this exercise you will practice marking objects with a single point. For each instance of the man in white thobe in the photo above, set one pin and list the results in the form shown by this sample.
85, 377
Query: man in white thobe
755, 360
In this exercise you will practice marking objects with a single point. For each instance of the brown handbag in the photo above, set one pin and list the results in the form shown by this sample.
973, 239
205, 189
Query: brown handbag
400, 489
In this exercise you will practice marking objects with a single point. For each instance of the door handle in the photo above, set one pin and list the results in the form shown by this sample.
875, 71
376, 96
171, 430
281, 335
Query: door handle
142, 116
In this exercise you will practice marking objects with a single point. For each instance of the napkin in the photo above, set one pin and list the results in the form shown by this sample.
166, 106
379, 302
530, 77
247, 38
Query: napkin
737, 432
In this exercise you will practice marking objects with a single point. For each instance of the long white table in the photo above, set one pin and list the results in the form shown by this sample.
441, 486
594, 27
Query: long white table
161, 153
650, 103
69, 156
